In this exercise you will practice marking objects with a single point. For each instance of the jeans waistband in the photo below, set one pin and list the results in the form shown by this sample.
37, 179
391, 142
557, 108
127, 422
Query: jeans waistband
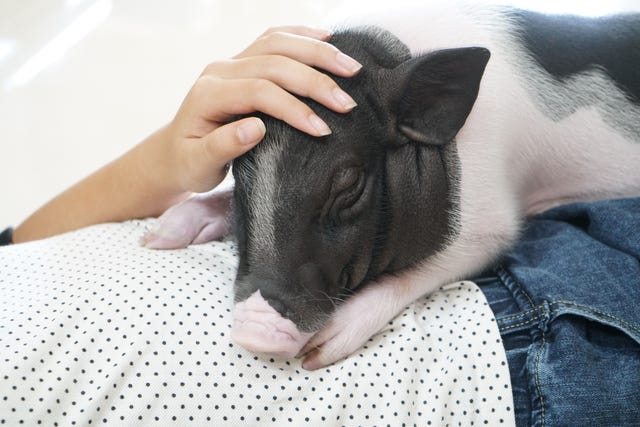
514, 310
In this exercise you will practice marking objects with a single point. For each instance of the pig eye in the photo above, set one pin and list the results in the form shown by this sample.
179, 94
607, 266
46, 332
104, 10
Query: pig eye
348, 187
345, 179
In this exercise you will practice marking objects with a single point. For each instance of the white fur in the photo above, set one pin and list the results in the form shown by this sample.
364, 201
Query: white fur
263, 203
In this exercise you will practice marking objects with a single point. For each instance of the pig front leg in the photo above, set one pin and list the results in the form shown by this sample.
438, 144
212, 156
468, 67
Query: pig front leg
370, 309
199, 219
362, 316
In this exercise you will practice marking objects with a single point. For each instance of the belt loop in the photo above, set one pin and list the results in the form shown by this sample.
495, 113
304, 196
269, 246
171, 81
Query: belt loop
545, 309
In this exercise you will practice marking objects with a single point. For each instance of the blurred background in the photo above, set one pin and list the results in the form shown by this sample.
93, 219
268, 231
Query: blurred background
82, 81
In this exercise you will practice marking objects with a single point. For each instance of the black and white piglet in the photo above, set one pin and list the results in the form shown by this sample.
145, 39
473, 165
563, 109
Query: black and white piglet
469, 119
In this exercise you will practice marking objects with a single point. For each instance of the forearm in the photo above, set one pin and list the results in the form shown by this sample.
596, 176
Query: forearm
134, 185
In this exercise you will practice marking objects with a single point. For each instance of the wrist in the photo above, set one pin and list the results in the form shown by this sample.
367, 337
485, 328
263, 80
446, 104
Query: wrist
153, 163
157, 160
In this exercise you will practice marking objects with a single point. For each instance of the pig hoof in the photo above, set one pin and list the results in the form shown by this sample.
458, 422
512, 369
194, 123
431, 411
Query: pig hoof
258, 327
200, 219
348, 329
159, 239
165, 236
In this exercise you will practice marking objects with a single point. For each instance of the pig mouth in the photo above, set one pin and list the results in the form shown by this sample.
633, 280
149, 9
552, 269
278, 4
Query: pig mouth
258, 327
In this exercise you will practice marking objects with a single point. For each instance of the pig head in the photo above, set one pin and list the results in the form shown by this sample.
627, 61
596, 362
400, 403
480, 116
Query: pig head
318, 218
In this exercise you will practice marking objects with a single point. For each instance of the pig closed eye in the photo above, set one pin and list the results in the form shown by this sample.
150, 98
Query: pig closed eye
347, 189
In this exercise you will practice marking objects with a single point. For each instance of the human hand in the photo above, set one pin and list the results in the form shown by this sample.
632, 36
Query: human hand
190, 154
200, 142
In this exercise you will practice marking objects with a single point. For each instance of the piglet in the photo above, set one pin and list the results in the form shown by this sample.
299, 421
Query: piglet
469, 119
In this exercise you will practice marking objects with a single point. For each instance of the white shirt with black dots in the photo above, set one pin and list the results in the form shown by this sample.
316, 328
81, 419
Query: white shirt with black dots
95, 329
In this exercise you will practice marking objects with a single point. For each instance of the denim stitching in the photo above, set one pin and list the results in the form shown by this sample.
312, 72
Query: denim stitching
504, 275
519, 315
554, 311
533, 319
551, 312
601, 313
545, 312
538, 388
524, 292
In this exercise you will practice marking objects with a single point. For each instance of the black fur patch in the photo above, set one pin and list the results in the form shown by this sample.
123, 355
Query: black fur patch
566, 44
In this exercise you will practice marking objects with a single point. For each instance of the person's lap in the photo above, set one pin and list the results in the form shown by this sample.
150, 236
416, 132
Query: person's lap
566, 301
93, 327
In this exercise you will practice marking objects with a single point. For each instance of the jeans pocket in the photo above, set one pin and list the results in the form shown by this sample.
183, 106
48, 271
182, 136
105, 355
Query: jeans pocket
608, 329
583, 368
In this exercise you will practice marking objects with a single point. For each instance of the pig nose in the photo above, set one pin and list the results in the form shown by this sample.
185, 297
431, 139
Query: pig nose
258, 327
279, 306
270, 290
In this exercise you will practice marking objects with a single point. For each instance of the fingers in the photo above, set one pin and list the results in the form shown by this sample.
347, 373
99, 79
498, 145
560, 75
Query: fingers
308, 50
301, 30
222, 99
289, 74
266, 74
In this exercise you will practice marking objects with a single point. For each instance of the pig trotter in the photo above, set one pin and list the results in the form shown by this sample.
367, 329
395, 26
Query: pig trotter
200, 219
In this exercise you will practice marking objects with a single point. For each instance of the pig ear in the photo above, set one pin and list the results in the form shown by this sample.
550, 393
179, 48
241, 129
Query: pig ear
436, 93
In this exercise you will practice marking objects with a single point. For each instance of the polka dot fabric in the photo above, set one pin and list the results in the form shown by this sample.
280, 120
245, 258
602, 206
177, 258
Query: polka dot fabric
96, 330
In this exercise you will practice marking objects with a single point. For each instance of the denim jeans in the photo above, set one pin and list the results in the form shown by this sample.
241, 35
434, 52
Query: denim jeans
567, 301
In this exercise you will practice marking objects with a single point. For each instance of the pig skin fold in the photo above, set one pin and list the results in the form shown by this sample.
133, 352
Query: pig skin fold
258, 327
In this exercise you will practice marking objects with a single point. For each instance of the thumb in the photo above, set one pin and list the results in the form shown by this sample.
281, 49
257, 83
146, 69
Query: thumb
234, 139
205, 167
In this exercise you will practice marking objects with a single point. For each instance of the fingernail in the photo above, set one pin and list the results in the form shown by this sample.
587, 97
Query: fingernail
345, 100
347, 62
322, 129
250, 131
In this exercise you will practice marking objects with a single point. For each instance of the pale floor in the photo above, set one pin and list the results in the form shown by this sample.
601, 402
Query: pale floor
81, 81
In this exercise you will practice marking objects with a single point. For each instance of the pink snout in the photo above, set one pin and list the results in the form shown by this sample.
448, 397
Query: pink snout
258, 327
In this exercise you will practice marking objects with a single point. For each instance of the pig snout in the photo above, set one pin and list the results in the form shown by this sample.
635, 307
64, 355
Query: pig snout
258, 327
